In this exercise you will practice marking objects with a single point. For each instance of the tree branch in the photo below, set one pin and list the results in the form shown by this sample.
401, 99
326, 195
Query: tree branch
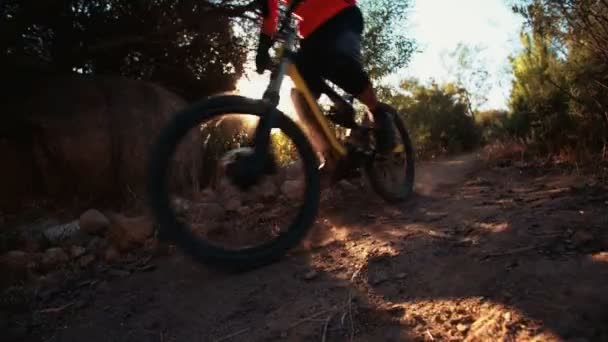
230, 11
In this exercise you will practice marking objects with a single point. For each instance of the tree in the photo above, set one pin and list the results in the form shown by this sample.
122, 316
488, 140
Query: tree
562, 77
188, 46
385, 43
470, 75
437, 117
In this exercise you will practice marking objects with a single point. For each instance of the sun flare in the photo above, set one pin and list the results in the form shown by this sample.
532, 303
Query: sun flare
253, 86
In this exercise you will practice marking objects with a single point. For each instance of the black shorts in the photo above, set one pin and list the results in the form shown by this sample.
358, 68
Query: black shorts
333, 52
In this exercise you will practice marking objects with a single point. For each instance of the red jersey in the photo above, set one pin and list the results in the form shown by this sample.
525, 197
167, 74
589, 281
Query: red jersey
313, 13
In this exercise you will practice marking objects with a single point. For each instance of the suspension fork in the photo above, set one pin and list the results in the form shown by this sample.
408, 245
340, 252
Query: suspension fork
262, 135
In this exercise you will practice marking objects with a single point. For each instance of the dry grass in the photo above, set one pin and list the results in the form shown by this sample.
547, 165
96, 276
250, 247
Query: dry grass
505, 150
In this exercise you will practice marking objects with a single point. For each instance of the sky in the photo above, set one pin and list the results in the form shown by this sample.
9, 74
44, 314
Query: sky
440, 25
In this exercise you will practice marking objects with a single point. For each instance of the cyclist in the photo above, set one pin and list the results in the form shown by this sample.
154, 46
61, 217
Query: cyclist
330, 48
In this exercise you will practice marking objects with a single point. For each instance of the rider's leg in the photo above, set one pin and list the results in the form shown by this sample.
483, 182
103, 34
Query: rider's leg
306, 63
385, 134
333, 52
344, 67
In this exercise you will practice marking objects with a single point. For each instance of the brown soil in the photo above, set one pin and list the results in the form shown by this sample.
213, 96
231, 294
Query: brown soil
479, 254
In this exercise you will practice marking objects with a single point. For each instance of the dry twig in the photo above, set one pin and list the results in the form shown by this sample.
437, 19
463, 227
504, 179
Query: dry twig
510, 252
234, 334
56, 310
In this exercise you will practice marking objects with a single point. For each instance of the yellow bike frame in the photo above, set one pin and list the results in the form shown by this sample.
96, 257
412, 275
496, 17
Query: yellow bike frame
337, 147
287, 67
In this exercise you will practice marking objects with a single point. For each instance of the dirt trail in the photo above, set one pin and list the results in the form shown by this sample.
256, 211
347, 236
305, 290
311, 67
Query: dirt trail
478, 254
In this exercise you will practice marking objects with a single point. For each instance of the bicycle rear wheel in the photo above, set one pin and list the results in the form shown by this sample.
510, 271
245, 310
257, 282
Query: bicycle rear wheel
392, 176
173, 226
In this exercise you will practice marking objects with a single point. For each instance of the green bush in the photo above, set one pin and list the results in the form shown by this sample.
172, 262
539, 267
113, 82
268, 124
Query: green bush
438, 118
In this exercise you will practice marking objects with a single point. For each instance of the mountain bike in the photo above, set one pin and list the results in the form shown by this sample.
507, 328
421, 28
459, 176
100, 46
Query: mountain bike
248, 166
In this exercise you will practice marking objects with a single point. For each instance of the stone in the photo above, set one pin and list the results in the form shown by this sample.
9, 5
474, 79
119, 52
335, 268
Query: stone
151, 245
310, 275
63, 233
16, 260
378, 278
267, 190
233, 204
346, 185
126, 233
245, 210
293, 189
97, 245
54, 257
181, 205
294, 171
401, 275
77, 251
86, 260
258, 207
208, 194
93, 222
111, 255
207, 211
462, 327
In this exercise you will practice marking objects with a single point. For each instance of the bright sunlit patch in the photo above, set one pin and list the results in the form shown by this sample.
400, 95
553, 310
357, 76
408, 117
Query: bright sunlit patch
495, 227
600, 257
253, 86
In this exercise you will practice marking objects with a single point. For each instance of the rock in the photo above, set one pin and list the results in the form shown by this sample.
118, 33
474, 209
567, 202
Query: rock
294, 171
310, 275
77, 251
86, 260
401, 275
208, 194
378, 278
101, 162
54, 257
346, 185
245, 210
111, 255
396, 310
126, 233
16, 260
293, 189
226, 190
93, 222
462, 327
33, 237
151, 245
265, 191
64, 233
258, 207
209, 211
97, 246
15, 266
233, 204
181, 205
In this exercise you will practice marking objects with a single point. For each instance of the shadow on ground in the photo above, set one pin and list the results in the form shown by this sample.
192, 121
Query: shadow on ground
478, 254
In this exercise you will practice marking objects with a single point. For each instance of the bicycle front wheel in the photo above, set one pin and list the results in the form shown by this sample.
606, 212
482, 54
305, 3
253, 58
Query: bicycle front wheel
194, 226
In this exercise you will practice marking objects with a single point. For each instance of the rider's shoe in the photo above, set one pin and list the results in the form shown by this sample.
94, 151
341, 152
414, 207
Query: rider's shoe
383, 129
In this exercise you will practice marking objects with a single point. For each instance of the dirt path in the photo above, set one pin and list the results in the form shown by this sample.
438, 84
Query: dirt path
480, 254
